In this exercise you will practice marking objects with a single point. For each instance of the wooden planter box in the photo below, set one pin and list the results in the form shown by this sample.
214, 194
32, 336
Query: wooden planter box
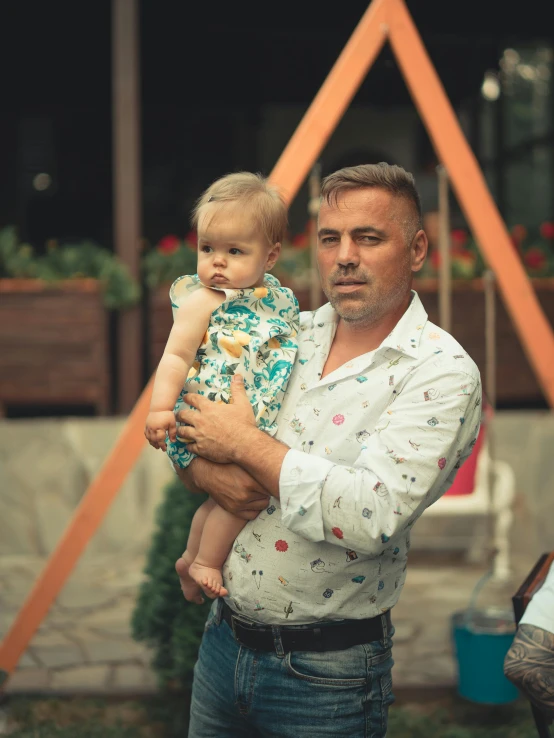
54, 345
160, 322
516, 383
515, 380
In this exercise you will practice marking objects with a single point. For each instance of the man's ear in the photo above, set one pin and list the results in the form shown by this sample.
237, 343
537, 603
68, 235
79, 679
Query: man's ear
273, 255
419, 248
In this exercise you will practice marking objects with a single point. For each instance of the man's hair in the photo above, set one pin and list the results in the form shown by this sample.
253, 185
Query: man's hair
384, 176
253, 192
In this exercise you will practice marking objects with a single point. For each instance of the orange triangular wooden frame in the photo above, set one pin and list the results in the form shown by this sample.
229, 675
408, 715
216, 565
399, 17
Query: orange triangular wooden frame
384, 19
390, 20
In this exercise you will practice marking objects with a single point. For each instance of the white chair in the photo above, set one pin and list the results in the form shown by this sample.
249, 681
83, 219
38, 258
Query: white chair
479, 503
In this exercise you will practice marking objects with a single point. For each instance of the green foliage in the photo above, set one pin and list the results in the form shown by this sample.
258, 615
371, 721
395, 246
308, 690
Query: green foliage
456, 718
93, 730
162, 618
164, 266
72, 261
293, 268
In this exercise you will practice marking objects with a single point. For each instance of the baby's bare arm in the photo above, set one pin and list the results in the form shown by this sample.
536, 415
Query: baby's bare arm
190, 325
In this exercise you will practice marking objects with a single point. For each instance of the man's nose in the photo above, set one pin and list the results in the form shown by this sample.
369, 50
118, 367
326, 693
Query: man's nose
348, 253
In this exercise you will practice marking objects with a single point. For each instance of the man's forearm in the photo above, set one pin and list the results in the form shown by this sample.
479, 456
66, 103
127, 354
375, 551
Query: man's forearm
529, 665
190, 476
262, 457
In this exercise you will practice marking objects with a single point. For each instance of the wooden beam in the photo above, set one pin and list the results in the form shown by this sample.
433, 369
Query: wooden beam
331, 101
127, 189
534, 331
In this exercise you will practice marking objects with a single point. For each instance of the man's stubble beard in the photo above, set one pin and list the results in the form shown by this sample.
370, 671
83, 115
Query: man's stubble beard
373, 306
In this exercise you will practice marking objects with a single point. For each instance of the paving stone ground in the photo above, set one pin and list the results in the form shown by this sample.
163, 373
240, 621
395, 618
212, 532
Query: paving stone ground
84, 644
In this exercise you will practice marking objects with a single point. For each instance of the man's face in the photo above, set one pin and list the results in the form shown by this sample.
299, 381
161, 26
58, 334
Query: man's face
367, 252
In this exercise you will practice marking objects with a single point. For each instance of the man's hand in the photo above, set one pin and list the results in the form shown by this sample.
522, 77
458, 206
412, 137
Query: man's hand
216, 431
229, 485
159, 425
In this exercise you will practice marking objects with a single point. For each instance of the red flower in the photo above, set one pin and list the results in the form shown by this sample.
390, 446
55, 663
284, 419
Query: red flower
337, 532
442, 463
168, 244
435, 259
519, 233
301, 241
281, 545
464, 256
458, 238
535, 259
191, 239
547, 231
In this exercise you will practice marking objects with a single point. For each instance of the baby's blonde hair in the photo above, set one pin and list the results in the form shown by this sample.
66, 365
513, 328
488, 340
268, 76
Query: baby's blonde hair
256, 193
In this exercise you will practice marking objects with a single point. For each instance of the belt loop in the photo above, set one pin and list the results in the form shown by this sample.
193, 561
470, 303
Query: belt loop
384, 626
218, 611
277, 642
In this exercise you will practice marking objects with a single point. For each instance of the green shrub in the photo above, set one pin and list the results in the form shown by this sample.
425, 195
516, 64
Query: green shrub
163, 619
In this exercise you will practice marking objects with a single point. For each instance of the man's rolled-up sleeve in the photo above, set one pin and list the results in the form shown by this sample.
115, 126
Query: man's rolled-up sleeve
408, 461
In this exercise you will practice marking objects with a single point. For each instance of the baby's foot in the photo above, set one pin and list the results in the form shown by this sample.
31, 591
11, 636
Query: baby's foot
189, 587
210, 580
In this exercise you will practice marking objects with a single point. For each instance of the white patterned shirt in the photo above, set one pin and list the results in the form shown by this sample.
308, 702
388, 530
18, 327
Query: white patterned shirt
372, 444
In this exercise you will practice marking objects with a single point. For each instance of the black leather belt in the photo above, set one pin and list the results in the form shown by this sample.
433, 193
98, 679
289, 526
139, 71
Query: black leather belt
325, 637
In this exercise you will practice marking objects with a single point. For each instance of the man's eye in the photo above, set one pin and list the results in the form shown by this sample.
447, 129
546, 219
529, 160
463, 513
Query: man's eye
328, 240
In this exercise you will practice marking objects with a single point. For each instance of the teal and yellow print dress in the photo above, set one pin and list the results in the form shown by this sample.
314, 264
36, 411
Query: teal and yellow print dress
252, 333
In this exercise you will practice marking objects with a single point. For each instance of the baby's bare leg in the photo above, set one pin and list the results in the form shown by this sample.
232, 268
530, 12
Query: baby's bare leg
219, 532
189, 586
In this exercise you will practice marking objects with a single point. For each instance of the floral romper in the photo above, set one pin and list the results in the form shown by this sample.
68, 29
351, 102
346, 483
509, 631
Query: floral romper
252, 333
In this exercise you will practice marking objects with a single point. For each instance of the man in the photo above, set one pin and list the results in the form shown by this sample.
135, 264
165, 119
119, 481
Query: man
381, 409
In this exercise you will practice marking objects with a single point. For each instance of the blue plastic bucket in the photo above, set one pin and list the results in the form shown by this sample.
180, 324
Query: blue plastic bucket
482, 639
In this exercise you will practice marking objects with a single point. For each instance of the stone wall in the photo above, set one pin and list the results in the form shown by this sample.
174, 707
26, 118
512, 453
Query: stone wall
84, 643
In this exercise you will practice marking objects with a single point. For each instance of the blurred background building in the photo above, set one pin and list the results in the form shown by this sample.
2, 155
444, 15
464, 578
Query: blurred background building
224, 88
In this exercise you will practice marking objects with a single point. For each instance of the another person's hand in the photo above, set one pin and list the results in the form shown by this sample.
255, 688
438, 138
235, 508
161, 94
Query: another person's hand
214, 431
159, 425
228, 484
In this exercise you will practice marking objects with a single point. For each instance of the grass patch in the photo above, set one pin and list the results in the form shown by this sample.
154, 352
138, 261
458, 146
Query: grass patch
162, 717
452, 717
82, 718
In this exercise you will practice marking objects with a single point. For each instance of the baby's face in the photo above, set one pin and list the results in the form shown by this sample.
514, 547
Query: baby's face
232, 251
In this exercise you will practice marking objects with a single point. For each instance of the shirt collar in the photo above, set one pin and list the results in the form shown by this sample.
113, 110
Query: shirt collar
406, 334
404, 337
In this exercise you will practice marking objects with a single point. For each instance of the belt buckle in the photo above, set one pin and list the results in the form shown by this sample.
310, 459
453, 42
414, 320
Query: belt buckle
236, 620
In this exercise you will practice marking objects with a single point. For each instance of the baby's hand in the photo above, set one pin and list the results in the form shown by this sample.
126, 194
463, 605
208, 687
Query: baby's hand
159, 425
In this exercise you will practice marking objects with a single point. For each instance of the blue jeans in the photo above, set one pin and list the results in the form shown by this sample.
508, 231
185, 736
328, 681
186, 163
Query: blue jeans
241, 693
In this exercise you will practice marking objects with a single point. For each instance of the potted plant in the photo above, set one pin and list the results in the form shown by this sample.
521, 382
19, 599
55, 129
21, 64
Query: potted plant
516, 381
54, 342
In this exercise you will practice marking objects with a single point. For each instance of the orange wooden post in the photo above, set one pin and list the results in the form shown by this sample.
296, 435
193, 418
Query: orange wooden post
534, 331
330, 103
84, 523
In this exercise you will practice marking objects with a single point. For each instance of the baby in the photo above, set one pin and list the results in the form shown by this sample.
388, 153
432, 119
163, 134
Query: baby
230, 318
